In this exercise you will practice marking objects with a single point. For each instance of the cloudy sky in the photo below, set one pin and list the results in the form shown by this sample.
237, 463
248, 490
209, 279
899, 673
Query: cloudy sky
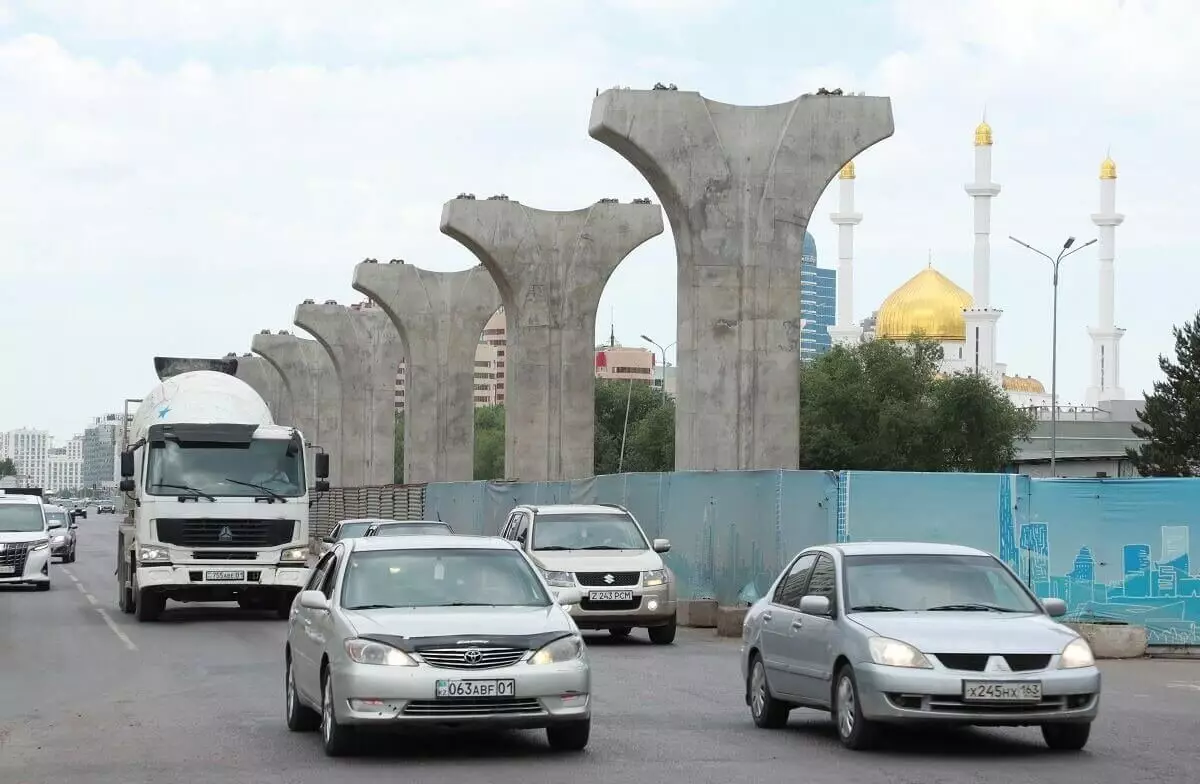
177, 175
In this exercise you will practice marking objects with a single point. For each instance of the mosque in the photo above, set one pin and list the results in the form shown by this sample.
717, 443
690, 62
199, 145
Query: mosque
964, 322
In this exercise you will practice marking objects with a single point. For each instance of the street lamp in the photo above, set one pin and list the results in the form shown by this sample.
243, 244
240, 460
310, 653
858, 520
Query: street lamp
1068, 248
663, 352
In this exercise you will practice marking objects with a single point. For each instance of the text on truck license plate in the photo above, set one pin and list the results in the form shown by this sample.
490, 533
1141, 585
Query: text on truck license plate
225, 575
475, 688
1002, 691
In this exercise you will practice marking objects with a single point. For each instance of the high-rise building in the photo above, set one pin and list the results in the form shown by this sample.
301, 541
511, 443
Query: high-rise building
28, 449
818, 302
101, 447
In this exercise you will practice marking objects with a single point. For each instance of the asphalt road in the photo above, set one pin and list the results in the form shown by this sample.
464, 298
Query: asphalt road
89, 695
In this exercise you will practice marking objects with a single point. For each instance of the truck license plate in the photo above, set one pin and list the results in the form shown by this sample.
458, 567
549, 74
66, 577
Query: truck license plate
450, 689
611, 596
225, 576
1002, 691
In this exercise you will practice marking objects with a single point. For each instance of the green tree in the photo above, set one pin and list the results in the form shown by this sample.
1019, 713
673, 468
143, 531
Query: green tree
883, 406
1170, 417
489, 442
650, 439
7, 467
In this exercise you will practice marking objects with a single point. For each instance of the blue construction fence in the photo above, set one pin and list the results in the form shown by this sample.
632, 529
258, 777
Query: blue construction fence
1113, 549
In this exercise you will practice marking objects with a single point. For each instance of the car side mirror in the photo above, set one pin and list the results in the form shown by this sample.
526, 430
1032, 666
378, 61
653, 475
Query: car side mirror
73, 524
321, 468
126, 486
321, 486
814, 605
328, 539
662, 545
314, 600
1055, 608
127, 463
567, 596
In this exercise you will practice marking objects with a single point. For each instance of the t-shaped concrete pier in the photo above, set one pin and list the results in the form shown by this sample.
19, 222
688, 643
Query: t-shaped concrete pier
313, 387
550, 268
439, 316
738, 184
268, 383
366, 353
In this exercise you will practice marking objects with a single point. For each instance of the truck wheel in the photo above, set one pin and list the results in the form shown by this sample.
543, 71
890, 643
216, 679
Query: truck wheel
125, 598
149, 605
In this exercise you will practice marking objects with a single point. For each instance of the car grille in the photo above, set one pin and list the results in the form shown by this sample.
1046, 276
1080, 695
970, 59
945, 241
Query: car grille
464, 658
474, 706
589, 605
226, 533
598, 579
14, 556
977, 662
949, 704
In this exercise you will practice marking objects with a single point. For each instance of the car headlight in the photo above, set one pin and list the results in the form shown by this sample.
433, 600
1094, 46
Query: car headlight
559, 579
893, 653
299, 554
150, 555
1077, 654
58, 539
42, 545
371, 652
563, 649
654, 577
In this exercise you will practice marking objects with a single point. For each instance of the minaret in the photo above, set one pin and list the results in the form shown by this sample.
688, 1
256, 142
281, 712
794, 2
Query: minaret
1106, 337
845, 332
980, 352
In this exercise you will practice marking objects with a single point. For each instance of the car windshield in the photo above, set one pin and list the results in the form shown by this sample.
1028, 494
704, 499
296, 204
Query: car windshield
56, 519
22, 518
352, 530
441, 578
410, 529
883, 583
261, 467
587, 532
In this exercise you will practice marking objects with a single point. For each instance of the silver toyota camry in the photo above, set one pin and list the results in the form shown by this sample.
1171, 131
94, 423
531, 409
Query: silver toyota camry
885, 633
459, 631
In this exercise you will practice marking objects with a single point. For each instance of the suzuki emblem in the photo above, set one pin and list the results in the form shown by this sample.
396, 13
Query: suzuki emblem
226, 534
608, 578
472, 656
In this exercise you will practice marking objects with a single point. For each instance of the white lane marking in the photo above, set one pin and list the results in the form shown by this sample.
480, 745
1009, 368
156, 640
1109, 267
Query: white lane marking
1193, 685
122, 636
72, 577
91, 599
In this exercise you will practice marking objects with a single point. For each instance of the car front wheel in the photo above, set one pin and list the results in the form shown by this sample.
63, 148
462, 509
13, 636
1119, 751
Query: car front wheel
1066, 737
854, 730
336, 738
300, 717
569, 737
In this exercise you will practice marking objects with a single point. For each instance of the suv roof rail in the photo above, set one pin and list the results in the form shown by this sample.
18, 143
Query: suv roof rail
35, 491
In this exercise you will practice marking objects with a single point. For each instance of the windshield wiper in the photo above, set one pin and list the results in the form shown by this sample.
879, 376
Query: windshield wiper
195, 491
264, 488
604, 547
374, 607
875, 608
552, 547
974, 607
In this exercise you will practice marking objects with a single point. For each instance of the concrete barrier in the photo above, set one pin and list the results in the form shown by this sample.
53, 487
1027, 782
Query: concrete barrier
729, 621
1113, 640
698, 613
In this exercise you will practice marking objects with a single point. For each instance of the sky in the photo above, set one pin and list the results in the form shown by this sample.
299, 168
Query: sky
177, 176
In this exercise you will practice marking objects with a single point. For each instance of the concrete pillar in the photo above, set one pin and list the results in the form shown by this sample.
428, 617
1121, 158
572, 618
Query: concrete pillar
366, 353
550, 268
738, 184
312, 385
268, 383
439, 316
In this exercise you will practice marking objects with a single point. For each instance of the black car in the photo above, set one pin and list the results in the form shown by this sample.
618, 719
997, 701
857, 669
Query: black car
77, 512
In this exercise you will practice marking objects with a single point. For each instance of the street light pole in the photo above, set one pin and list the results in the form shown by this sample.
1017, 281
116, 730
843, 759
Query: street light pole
1055, 261
663, 352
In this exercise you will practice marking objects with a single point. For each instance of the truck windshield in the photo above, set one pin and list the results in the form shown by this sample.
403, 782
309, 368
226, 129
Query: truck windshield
24, 518
262, 467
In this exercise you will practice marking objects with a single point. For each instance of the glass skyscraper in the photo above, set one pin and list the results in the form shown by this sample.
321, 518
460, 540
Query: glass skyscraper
818, 302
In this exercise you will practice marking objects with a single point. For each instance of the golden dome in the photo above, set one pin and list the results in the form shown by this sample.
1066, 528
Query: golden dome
983, 135
930, 304
1027, 384
847, 172
1108, 169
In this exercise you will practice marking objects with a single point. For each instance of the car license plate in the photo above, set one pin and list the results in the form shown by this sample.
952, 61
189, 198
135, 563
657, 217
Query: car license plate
1002, 691
611, 596
450, 689
224, 576
8, 569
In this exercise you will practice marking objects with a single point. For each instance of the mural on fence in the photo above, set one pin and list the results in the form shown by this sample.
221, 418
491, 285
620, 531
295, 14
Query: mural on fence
1113, 549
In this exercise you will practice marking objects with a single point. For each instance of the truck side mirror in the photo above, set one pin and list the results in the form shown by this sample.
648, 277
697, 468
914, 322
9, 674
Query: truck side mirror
126, 486
322, 467
322, 486
127, 464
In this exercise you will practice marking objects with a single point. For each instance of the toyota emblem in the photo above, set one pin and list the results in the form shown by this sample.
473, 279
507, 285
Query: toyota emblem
608, 578
472, 656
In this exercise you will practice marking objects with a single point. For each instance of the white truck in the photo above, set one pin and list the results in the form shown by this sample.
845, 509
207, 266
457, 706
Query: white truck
216, 495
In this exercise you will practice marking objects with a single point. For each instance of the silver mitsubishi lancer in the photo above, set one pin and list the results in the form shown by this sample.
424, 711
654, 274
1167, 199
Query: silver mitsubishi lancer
457, 631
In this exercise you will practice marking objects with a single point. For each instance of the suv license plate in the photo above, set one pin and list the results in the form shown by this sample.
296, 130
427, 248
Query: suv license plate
451, 689
225, 576
8, 569
611, 596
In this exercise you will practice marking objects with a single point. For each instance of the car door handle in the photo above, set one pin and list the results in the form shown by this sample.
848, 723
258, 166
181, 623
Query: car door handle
797, 624
766, 616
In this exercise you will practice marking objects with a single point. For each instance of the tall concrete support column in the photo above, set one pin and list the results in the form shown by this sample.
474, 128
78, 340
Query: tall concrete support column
550, 268
366, 353
439, 316
313, 388
268, 383
739, 184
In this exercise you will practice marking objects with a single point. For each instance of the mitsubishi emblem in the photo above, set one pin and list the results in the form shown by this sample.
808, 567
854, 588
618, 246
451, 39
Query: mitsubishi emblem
226, 534
998, 664
608, 578
472, 656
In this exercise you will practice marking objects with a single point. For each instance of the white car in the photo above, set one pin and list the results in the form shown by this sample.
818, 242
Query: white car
24, 542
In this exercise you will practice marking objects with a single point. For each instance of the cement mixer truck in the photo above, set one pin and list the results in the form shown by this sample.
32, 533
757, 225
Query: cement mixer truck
216, 496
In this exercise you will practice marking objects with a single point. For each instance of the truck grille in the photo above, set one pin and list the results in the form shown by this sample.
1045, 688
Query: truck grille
200, 532
13, 558
471, 658
606, 579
